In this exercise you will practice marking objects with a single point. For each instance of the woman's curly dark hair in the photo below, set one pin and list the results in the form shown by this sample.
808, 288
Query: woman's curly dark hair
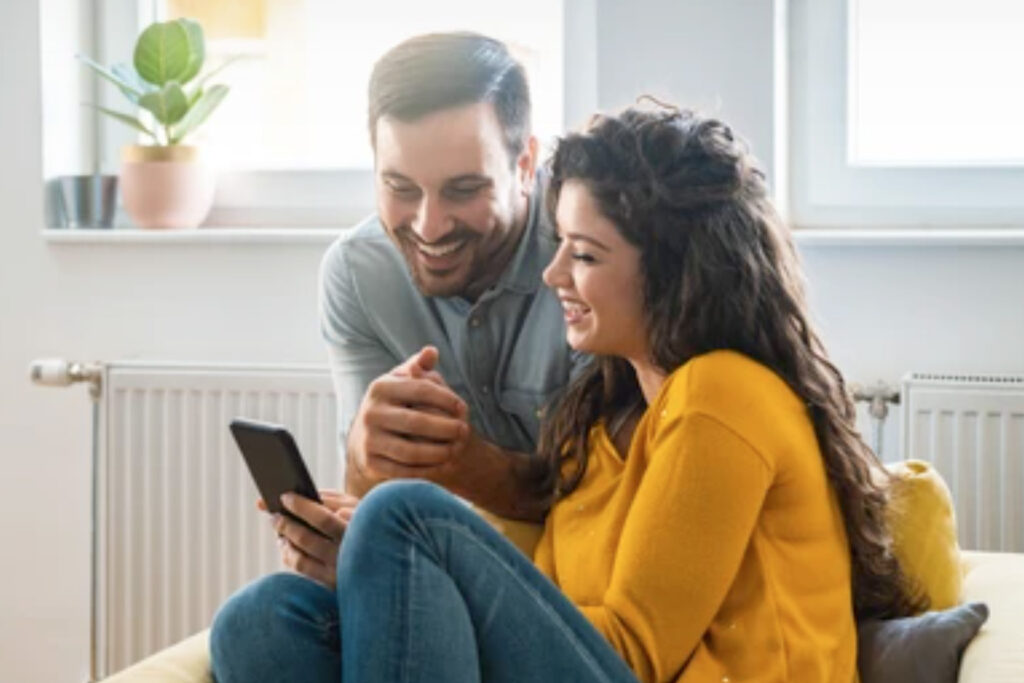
720, 272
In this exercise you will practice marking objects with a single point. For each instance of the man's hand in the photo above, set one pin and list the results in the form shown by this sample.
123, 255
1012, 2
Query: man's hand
412, 425
409, 423
307, 552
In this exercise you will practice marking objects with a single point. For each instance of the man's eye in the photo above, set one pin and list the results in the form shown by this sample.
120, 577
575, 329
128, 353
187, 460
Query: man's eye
403, 190
465, 191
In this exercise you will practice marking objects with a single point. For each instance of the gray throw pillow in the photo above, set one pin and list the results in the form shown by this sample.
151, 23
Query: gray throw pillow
922, 649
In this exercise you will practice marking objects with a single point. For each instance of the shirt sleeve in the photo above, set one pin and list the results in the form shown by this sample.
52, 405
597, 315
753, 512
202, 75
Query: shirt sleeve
682, 544
355, 352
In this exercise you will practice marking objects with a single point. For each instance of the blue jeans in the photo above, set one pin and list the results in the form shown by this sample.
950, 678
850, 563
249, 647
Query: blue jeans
426, 591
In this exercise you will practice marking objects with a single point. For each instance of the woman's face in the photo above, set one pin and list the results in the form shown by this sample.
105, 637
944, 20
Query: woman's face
596, 275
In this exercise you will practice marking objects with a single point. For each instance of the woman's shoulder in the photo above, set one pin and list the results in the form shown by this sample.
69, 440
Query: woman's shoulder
728, 386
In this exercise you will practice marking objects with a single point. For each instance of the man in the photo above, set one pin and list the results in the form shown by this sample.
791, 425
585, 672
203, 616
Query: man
444, 344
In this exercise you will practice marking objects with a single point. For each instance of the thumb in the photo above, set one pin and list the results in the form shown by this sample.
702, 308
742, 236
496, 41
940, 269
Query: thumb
424, 361
419, 364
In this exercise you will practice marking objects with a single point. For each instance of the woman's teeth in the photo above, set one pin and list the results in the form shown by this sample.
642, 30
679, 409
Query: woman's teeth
574, 311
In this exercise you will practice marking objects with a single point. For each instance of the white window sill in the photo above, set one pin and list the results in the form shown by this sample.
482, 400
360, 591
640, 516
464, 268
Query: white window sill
909, 237
204, 235
804, 237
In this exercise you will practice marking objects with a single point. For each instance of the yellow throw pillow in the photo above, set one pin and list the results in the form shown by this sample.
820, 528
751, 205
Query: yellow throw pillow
923, 526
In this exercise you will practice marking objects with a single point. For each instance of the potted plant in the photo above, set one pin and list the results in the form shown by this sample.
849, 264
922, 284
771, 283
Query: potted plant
165, 184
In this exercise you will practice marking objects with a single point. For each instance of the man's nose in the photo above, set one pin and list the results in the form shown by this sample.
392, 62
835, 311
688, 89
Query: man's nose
431, 223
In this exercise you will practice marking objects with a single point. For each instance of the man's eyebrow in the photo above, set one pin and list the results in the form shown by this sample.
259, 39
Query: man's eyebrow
575, 236
394, 175
469, 178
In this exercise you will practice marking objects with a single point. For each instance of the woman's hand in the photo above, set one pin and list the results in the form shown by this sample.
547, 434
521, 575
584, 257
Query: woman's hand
314, 555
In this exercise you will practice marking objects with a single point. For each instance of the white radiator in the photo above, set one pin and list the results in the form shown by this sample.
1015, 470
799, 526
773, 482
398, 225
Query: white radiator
177, 530
971, 428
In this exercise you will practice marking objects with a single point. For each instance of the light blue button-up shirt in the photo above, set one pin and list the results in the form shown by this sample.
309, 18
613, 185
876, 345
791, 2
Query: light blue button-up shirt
505, 354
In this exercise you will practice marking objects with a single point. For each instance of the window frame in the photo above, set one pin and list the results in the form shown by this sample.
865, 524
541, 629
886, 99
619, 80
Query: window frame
826, 191
314, 197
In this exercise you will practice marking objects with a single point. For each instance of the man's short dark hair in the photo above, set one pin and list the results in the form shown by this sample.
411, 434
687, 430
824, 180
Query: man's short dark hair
438, 71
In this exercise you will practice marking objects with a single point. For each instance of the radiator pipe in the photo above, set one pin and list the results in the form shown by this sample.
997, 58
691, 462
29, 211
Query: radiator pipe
57, 372
878, 398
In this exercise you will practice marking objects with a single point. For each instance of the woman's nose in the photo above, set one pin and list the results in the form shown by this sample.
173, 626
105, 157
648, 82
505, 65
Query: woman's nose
556, 275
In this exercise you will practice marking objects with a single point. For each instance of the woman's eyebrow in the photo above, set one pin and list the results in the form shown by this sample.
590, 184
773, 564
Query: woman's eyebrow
585, 238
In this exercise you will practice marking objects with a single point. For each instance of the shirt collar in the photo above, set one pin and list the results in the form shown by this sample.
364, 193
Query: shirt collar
524, 271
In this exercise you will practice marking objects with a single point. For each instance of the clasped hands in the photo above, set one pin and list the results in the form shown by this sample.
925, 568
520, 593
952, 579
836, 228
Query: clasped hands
410, 424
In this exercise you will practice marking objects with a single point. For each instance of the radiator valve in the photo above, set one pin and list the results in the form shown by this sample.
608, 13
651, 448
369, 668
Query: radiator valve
57, 372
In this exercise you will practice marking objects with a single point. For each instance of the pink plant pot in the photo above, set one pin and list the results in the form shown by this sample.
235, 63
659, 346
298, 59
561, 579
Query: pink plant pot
166, 187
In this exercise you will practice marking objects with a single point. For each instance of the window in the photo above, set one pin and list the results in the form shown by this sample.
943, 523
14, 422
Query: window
906, 112
291, 138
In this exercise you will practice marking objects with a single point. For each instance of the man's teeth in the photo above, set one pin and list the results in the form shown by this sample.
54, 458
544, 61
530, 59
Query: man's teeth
440, 251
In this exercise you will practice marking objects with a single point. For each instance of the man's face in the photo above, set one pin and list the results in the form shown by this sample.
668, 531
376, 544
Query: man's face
450, 197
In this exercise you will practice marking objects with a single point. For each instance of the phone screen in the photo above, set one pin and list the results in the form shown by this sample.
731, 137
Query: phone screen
274, 461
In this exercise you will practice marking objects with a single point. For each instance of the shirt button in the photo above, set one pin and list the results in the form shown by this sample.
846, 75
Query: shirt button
474, 321
725, 679
485, 389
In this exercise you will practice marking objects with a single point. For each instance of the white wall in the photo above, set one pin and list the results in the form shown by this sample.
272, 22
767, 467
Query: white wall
883, 310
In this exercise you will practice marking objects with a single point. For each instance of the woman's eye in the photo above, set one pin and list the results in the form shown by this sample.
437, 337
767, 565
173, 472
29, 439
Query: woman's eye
585, 258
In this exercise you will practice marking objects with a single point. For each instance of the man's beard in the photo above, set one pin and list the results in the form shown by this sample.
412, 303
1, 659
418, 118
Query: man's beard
431, 283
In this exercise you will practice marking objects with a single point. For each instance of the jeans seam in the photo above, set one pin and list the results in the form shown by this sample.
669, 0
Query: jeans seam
553, 615
409, 578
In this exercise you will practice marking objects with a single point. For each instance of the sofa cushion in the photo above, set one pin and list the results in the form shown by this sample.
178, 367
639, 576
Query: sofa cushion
185, 662
921, 649
923, 525
996, 655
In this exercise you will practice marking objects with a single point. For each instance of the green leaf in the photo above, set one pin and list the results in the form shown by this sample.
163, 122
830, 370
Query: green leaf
194, 97
168, 104
163, 52
128, 75
125, 86
125, 118
209, 101
197, 47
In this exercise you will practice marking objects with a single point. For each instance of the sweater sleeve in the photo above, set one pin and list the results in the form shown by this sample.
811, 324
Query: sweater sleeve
682, 543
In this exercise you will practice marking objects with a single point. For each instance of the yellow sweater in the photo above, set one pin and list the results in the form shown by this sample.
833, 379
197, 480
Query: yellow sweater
716, 550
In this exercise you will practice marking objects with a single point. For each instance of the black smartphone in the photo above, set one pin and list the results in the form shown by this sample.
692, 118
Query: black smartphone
274, 462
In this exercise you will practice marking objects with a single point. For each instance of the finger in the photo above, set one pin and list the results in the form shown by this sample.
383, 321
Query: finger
299, 562
336, 499
416, 423
416, 391
408, 453
435, 377
309, 542
422, 361
313, 513
261, 505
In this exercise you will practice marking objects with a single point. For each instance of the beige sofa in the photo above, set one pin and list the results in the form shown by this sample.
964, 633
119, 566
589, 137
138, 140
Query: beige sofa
995, 656
921, 516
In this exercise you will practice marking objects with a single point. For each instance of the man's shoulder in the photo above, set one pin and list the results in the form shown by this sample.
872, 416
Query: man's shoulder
361, 252
367, 235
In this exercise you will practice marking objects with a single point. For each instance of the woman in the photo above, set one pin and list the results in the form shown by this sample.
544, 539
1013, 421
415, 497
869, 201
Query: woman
714, 512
